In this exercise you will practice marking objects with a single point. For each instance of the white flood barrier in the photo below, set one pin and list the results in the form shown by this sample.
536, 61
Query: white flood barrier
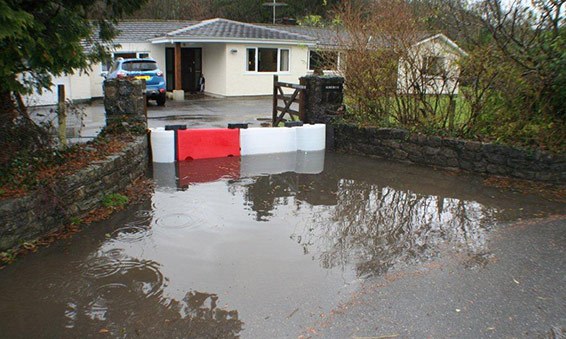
260, 140
162, 145
310, 162
265, 164
311, 137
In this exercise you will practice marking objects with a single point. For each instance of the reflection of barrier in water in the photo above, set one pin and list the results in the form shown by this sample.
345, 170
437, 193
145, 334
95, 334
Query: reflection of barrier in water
265, 164
164, 175
310, 162
207, 170
269, 164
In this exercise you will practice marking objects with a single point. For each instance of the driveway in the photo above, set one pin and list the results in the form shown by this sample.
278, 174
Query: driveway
88, 119
211, 112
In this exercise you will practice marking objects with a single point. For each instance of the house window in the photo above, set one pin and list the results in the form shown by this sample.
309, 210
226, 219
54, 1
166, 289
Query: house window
323, 60
267, 60
284, 60
434, 66
126, 55
251, 60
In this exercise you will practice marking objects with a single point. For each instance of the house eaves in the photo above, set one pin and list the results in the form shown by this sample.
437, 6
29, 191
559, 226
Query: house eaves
165, 40
223, 30
445, 40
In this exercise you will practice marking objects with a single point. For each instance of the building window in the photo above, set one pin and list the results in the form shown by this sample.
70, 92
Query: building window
106, 66
284, 60
267, 60
433, 66
251, 60
323, 60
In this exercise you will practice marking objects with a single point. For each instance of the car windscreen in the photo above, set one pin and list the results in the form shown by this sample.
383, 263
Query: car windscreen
139, 66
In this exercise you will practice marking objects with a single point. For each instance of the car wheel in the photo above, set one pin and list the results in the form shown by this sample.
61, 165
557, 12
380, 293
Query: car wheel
161, 100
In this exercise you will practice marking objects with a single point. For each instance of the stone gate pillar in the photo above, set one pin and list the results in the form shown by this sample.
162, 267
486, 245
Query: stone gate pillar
124, 101
324, 97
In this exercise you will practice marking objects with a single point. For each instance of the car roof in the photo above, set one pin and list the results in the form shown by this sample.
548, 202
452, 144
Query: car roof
136, 59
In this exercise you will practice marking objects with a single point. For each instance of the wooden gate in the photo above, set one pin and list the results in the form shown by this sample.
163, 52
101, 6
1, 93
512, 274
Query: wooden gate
298, 96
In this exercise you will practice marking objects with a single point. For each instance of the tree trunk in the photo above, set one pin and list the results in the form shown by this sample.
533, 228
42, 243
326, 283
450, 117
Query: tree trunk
19, 134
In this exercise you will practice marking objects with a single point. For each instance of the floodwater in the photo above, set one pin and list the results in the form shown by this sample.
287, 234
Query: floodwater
252, 247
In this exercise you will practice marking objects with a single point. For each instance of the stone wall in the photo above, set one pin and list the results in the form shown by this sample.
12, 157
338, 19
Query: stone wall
124, 100
49, 208
324, 98
473, 156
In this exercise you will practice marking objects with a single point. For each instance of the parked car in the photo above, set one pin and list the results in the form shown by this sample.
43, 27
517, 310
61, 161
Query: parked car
146, 69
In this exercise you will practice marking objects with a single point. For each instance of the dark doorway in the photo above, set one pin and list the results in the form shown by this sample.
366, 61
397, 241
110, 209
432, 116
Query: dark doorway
191, 68
170, 68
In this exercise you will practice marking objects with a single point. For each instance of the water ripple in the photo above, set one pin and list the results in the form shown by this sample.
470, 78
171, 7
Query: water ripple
131, 232
177, 221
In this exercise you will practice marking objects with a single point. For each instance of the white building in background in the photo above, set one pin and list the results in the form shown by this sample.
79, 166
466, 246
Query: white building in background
431, 67
235, 58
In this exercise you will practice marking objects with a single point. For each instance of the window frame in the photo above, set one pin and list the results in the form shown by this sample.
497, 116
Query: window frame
439, 66
106, 67
278, 62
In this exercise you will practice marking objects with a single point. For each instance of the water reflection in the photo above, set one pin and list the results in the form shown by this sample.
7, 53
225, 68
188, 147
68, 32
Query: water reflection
124, 296
182, 174
355, 218
375, 227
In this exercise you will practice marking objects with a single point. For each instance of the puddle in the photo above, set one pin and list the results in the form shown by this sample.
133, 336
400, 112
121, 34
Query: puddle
252, 247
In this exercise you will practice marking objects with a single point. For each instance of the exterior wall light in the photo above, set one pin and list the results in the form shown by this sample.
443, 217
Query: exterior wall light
233, 51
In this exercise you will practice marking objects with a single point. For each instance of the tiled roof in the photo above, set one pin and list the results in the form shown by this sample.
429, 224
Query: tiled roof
325, 37
228, 29
143, 30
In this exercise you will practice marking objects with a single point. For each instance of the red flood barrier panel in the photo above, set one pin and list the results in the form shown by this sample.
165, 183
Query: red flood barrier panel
207, 143
207, 170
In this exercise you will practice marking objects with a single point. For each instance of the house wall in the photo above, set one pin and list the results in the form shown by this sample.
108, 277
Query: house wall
410, 70
240, 82
225, 72
77, 87
214, 64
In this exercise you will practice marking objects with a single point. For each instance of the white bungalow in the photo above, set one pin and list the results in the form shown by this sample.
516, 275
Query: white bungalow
236, 58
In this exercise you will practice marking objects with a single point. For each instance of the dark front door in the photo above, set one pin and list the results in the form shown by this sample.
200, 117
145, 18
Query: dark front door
191, 68
170, 68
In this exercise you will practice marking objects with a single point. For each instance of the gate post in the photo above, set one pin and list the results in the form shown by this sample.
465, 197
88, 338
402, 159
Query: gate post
125, 102
275, 80
324, 97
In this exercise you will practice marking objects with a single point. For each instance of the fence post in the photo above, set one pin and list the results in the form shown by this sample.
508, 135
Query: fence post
62, 115
303, 101
275, 81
